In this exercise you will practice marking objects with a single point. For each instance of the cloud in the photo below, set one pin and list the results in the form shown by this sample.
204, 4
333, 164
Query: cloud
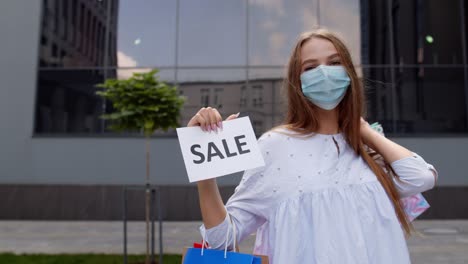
268, 25
277, 42
124, 60
256, 59
309, 19
276, 6
347, 27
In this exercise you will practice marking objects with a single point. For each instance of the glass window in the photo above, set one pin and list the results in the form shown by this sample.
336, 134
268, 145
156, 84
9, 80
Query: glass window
218, 98
346, 24
143, 33
205, 97
422, 96
442, 41
419, 35
431, 100
374, 32
417, 102
378, 90
219, 88
78, 33
165, 75
265, 97
258, 127
67, 103
212, 33
257, 96
274, 27
243, 97
422, 38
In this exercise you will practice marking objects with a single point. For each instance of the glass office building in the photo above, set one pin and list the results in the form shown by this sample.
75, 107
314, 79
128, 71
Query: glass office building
411, 56
229, 55
232, 56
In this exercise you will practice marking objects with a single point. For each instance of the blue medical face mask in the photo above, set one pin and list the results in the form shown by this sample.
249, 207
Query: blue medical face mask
325, 86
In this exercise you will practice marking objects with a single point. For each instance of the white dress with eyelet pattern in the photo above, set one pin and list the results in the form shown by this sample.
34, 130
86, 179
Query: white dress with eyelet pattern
314, 204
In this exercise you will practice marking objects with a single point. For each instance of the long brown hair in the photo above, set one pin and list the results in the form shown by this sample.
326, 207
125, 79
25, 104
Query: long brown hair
302, 117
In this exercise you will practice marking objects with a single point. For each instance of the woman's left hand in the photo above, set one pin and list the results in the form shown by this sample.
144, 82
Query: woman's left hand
390, 150
366, 131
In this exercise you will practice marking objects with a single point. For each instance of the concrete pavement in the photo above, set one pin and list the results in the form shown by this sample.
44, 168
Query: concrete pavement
440, 241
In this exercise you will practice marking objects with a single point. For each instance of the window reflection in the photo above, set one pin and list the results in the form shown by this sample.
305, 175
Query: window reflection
347, 24
266, 98
145, 35
212, 32
274, 27
219, 88
431, 100
427, 100
73, 33
421, 95
67, 103
163, 75
226, 63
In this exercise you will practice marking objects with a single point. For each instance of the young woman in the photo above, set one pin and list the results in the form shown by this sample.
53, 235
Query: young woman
321, 198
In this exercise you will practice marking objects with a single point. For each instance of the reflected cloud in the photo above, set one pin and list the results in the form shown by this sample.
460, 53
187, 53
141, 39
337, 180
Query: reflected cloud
269, 24
277, 46
276, 6
309, 19
124, 60
125, 74
348, 26
275, 26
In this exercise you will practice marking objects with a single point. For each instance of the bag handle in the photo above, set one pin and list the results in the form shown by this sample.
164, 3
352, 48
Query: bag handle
227, 237
234, 233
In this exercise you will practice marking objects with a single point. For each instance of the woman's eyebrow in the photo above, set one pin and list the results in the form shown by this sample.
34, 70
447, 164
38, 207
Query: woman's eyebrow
315, 60
333, 56
309, 60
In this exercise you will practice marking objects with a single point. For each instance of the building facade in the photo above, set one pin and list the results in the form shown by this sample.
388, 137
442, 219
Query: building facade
58, 160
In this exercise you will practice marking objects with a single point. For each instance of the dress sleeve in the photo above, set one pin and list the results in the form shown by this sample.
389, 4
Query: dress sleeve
246, 208
414, 175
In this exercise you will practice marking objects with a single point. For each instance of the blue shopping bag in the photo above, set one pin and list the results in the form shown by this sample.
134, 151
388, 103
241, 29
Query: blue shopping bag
212, 256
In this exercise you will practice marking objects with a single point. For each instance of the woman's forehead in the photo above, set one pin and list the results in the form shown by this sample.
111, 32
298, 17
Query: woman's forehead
317, 49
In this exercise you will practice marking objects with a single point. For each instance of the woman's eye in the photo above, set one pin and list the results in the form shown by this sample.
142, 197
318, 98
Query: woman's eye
335, 63
309, 68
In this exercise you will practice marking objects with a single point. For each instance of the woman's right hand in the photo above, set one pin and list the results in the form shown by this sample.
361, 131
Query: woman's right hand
211, 204
208, 118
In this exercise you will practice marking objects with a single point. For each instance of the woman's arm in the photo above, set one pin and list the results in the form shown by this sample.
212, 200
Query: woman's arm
243, 207
415, 175
246, 209
211, 204
389, 150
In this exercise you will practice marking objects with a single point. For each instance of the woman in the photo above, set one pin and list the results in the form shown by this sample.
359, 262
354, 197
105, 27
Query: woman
321, 198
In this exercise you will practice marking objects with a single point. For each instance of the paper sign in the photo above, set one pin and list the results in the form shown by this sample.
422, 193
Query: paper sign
209, 155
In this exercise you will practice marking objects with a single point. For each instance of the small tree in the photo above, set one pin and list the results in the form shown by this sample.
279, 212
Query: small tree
142, 103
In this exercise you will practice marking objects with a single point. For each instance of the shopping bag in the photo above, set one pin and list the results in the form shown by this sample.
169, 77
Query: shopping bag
213, 256
414, 205
202, 255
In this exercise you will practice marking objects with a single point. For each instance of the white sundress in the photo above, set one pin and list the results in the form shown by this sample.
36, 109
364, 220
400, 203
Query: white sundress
314, 204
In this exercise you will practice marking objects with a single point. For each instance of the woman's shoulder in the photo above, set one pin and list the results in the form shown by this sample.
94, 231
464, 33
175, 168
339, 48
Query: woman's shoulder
279, 137
275, 134
283, 132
